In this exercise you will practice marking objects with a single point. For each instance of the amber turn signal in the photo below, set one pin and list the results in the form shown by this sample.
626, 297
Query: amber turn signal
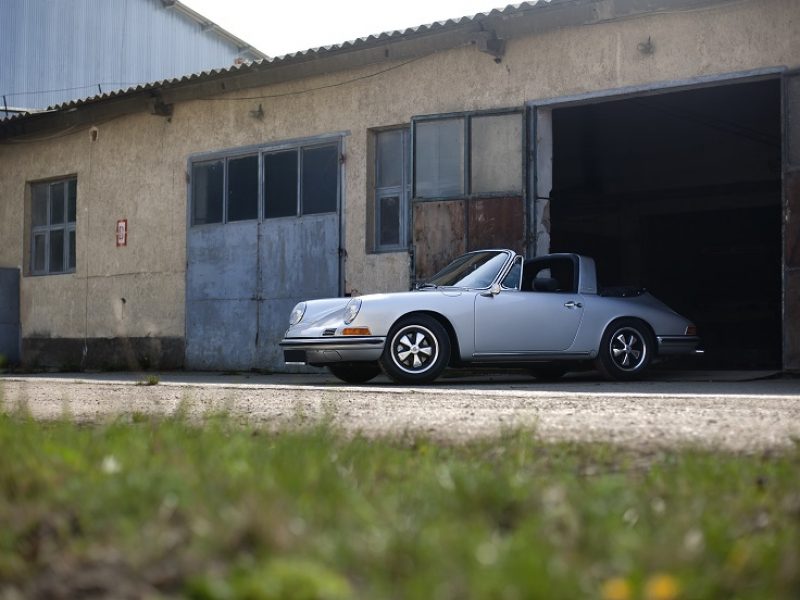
691, 330
356, 331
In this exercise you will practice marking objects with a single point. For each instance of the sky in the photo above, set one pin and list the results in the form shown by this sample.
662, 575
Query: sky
278, 27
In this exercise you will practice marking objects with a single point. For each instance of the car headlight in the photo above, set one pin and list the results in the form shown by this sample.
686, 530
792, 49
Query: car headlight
351, 310
297, 314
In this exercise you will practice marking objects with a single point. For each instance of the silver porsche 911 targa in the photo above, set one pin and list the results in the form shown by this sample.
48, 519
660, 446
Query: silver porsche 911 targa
490, 308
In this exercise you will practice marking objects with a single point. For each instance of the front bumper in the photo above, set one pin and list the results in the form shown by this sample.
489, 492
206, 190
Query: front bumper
331, 350
678, 344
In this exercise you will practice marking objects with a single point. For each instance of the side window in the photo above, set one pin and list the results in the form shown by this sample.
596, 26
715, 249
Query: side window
392, 189
550, 275
53, 223
512, 280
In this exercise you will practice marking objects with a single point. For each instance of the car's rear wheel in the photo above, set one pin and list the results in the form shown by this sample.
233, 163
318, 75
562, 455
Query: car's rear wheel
626, 350
355, 373
417, 350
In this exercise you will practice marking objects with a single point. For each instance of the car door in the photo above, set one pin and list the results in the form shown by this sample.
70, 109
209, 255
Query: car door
542, 316
526, 321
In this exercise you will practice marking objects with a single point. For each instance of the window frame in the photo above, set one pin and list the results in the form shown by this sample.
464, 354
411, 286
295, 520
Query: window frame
402, 191
467, 117
262, 150
68, 227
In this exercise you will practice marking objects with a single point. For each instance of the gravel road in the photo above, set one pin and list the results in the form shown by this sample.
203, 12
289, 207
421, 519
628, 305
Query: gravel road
749, 416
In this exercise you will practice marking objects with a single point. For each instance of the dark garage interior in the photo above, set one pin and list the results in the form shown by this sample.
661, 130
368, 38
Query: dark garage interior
680, 193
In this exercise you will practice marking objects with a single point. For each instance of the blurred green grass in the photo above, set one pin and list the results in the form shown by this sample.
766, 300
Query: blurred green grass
149, 507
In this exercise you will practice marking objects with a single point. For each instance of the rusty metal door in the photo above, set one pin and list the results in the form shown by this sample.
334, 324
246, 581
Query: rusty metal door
791, 212
445, 229
243, 278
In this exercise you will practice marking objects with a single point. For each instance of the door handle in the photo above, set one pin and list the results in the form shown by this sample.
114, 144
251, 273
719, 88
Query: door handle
573, 304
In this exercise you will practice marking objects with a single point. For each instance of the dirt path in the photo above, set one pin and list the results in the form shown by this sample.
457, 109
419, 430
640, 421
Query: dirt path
666, 415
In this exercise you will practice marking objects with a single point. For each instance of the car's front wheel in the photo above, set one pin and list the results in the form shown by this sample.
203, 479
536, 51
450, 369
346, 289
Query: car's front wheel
355, 373
626, 350
417, 350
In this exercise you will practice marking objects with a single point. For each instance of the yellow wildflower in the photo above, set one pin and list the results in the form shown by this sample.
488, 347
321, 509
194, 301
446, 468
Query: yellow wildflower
616, 588
661, 587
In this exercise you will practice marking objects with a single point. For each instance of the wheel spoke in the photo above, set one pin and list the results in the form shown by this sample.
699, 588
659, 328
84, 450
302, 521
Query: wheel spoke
617, 351
427, 351
420, 339
636, 354
404, 355
417, 361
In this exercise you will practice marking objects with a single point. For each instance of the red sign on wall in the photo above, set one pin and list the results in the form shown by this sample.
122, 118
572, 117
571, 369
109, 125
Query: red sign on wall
122, 232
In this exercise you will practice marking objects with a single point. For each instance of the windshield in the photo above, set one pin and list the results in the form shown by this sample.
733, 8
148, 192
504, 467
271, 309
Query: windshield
473, 270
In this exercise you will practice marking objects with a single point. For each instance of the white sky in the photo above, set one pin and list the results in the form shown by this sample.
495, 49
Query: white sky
278, 27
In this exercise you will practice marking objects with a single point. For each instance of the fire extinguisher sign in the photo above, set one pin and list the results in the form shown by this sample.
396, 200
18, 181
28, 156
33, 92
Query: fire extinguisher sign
122, 232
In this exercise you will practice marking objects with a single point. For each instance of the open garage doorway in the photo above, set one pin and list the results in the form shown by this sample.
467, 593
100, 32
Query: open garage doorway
680, 193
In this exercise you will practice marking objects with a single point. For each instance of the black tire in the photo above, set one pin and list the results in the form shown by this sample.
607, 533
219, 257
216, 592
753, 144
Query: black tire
626, 349
417, 350
355, 373
548, 372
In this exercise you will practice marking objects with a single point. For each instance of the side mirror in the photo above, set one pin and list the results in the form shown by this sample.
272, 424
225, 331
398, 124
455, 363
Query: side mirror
492, 291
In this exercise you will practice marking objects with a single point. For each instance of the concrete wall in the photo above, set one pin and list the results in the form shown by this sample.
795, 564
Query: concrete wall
136, 169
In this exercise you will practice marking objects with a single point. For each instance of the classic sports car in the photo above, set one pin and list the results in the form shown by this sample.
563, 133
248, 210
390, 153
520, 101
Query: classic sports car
490, 308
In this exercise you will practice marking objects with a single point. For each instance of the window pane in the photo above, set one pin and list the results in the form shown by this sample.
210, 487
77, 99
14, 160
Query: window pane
39, 204
38, 252
243, 188
56, 250
389, 221
389, 158
72, 250
439, 166
320, 179
207, 185
72, 194
496, 153
57, 203
280, 184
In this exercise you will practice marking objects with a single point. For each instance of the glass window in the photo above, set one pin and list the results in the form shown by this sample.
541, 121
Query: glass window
243, 188
496, 154
320, 179
207, 189
439, 159
39, 199
392, 185
389, 221
280, 184
39, 245
53, 213
56, 251
389, 158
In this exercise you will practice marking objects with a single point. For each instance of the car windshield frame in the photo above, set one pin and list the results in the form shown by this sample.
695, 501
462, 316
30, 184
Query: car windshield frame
474, 270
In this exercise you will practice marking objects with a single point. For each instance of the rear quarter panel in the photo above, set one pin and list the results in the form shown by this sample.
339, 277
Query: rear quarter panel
600, 311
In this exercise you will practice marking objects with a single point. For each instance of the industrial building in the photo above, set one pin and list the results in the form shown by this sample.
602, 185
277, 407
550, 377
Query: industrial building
175, 224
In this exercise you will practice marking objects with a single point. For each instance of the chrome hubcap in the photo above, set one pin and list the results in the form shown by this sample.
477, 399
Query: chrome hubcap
414, 349
628, 349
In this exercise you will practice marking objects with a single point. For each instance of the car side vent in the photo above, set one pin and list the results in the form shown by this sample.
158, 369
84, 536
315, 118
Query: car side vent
329, 332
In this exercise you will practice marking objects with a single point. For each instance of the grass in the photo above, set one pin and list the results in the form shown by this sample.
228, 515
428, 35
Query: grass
162, 508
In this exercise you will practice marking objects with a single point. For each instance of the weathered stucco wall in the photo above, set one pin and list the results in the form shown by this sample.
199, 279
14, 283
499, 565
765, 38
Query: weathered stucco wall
136, 169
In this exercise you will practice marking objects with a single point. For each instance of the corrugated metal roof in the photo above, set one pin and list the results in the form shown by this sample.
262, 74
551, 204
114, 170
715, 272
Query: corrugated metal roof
348, 46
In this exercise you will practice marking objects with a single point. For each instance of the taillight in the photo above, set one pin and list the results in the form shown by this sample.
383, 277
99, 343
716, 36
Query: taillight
691, 330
